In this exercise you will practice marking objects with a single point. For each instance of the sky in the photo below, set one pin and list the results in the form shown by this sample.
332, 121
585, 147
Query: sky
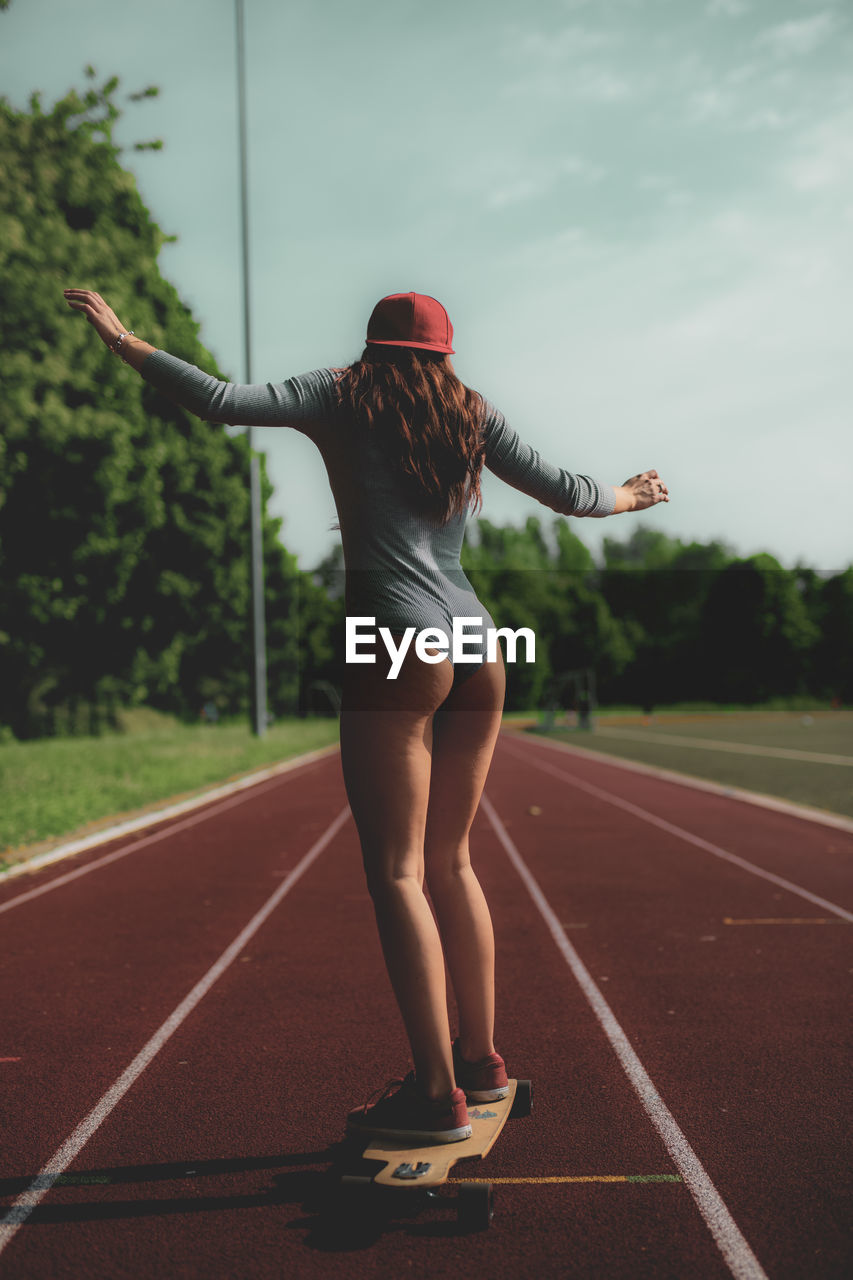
638, 213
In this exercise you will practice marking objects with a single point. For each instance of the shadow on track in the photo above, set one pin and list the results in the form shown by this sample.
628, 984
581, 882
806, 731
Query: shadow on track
329, 1225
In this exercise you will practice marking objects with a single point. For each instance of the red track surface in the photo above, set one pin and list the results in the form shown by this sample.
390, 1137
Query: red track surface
214, 1162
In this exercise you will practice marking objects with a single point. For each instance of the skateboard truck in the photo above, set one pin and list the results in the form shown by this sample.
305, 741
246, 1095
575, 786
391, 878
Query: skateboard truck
409, 1171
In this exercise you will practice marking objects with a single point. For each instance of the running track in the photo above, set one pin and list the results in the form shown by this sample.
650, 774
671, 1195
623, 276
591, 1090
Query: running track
179, 1046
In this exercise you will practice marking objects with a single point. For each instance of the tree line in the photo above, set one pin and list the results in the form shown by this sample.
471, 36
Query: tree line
663, 621
124, 520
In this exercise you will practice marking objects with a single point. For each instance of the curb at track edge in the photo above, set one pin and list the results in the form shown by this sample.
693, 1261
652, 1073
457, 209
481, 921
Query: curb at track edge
150, 819
806, 812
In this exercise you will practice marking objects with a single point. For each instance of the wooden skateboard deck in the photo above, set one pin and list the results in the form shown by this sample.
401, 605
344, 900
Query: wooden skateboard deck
424, 1169
429, 1166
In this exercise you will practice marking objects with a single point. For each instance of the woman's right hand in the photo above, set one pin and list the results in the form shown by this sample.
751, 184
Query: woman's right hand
645, 490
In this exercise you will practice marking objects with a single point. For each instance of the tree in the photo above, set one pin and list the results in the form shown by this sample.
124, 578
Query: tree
545, 580
756, 632
658, 585
124, 520
833, 652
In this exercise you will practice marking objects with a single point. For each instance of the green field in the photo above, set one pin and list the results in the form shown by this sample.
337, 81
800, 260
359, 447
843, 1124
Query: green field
737, 748
63, 787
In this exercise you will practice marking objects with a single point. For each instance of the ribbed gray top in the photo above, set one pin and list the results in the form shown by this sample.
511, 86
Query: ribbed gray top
402, 567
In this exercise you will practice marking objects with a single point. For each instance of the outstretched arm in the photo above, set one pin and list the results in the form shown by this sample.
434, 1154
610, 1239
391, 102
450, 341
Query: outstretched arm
572, 495
303, 403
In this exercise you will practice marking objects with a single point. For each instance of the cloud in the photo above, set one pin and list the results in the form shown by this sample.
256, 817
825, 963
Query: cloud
665, 189
710, 104
517, 192
721, 340
537, 182
598, 84
565, 64
575, 166
767, 118
824, 155
557, 46
798, 38
586, 83
727, 8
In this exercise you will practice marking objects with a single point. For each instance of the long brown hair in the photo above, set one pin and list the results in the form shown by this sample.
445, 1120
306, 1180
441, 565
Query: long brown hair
429, 424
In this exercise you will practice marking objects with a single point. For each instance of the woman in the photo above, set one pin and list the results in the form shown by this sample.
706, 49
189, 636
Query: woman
404, 443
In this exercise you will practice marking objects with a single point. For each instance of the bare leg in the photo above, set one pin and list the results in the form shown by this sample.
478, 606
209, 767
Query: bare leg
386, 745
464, 738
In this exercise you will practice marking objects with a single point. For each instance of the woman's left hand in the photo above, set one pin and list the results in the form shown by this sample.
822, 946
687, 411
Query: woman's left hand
101, 317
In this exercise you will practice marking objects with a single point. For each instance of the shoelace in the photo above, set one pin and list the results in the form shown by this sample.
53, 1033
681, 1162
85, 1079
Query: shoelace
381, 1094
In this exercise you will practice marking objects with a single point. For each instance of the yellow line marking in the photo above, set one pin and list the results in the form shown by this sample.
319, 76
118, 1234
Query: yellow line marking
590, 1177
785, 920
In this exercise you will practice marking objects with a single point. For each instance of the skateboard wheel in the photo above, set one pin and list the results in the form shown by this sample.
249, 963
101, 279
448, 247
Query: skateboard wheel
475, 1206
522, 1103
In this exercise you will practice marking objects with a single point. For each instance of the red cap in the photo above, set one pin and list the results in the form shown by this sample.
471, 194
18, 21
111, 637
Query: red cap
410, 320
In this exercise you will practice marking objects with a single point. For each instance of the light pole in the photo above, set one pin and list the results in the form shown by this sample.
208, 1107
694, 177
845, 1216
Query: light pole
258, 627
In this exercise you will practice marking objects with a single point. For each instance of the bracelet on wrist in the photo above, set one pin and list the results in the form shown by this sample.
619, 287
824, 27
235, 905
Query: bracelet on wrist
120, 340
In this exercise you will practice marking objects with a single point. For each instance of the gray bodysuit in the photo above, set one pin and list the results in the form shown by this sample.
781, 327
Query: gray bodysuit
402, 567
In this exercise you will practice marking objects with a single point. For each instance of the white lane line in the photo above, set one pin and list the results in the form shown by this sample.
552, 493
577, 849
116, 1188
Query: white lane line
683, 834
807, 812
739, 1258
213, 811
717, 744
70, 1149
149, 819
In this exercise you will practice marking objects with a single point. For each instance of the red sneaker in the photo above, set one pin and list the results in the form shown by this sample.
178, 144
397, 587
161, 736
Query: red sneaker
483, 1081
404, 1113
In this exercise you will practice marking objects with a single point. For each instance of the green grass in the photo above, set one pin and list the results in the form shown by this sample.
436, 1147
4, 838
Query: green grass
804, 781
57, 787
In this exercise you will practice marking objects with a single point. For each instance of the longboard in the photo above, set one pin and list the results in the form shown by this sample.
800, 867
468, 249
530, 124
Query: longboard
425, 1168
